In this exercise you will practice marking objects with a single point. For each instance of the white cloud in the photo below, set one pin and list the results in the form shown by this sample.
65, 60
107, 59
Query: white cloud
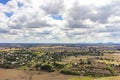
83, 21
114, 19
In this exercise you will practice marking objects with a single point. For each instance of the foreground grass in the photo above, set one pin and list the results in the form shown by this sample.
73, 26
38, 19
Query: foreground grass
110, 78
91, 78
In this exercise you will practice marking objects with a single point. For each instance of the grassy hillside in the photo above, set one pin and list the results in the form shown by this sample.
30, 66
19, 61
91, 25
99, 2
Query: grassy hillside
91, 78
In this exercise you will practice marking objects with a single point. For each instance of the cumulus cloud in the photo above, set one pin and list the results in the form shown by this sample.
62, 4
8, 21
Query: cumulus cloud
53, 7
60, 21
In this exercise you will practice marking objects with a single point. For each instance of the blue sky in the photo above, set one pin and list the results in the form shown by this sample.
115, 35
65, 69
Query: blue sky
4, 1
59, 21
57, 17
9, 14
20, 4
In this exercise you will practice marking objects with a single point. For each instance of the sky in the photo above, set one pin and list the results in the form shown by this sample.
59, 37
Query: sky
59, 21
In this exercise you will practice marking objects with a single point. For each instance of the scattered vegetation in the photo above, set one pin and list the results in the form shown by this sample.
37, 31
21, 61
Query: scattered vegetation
73, 61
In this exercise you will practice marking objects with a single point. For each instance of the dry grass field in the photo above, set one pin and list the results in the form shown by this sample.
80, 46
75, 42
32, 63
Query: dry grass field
8, 49
12, 74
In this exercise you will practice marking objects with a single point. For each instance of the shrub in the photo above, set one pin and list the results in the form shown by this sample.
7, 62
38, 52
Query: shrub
37, 65
47, 67
6, 66
82, 78
94, 74
111, 70
58, 65
70, 72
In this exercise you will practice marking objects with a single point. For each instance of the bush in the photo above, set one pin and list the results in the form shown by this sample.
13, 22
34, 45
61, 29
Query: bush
37, 65
82, 78
111, 70
47, 67
94, 74
70, 72
58, 65
6, 66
